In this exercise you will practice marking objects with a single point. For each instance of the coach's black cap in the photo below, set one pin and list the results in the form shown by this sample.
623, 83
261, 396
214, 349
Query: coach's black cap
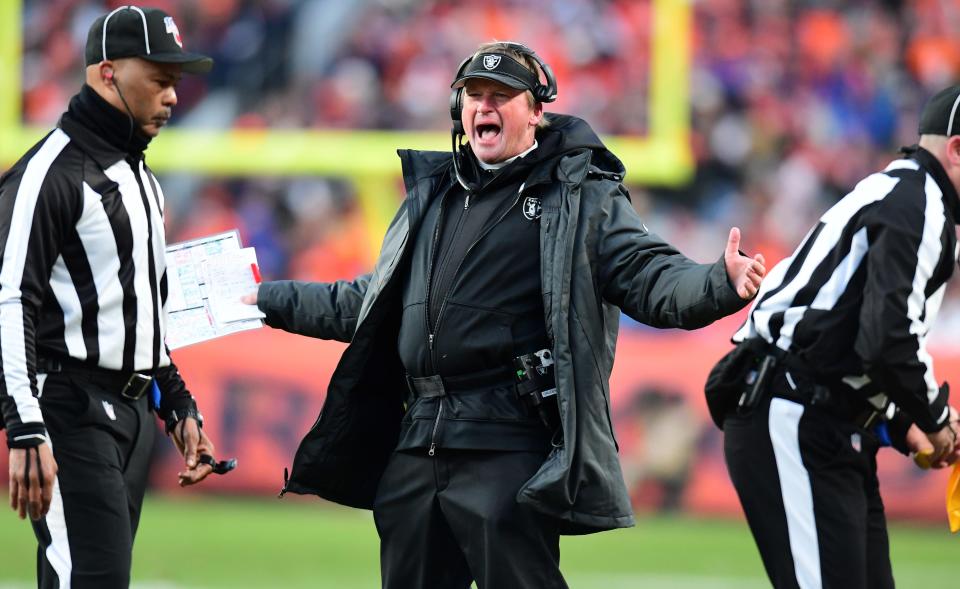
498, 67
941, 113
148, 33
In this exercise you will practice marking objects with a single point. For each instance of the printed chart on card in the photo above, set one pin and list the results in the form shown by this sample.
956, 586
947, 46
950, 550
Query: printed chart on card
205, 279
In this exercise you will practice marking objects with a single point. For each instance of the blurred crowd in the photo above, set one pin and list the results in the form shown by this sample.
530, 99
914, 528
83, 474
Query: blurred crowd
791, 101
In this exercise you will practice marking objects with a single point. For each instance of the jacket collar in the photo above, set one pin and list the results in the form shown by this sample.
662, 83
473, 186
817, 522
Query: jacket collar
104, 133
932, 165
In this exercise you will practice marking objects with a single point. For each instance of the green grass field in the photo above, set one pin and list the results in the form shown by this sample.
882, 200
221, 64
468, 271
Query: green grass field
247, 543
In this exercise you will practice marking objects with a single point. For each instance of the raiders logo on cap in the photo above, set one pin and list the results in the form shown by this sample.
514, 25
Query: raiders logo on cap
491, 61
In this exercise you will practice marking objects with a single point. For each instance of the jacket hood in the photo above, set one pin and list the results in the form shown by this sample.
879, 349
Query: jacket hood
567, 133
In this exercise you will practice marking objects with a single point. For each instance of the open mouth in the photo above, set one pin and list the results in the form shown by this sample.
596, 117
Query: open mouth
488, 132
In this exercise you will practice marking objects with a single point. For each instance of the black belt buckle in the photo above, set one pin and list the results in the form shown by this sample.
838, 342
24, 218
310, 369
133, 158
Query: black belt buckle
427, 387
136, 386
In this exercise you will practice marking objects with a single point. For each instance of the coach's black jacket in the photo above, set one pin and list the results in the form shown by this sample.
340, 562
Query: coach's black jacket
595, 256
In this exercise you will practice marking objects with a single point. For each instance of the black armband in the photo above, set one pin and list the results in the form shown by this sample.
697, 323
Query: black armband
177, 415
28, 435
897, 427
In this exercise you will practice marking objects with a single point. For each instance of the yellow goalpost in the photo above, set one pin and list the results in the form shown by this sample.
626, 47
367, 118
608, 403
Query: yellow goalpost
368, 158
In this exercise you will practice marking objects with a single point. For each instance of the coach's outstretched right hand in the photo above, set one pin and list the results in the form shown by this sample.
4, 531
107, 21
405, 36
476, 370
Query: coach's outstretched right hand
250, 299
32, 474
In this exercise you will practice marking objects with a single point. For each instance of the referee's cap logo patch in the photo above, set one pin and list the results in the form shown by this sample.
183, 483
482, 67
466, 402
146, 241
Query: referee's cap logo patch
173, 30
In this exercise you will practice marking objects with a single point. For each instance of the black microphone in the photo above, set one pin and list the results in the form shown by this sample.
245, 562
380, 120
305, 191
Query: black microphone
116, 83
457, 148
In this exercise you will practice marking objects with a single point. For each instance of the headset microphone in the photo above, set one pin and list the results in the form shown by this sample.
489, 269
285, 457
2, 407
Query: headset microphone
108, 74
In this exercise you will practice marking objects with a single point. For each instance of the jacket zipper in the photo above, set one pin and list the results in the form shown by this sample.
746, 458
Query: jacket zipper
467, 253
433, 253
436, 426
432, 332
426, 318
466, 204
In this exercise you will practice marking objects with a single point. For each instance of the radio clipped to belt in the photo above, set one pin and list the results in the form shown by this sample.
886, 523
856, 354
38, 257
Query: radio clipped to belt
756, 383
537, 387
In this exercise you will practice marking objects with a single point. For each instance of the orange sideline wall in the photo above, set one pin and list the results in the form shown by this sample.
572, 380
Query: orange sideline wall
261, 391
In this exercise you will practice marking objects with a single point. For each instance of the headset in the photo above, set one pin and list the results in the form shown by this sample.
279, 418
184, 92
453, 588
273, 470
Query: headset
108, 75
541, 93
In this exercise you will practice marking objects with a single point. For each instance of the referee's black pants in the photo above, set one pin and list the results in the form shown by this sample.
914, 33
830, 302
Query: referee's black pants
452, 518
102, 445
807, 481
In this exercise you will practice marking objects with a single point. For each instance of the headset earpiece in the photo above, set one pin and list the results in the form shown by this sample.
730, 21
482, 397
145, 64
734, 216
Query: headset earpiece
456, 108
456, 98
543, 92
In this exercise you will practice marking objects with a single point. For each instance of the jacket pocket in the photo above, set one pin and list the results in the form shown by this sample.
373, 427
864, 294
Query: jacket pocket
468, 339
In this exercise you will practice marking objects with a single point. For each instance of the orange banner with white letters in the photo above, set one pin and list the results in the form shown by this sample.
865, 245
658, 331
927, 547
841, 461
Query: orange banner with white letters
260, 391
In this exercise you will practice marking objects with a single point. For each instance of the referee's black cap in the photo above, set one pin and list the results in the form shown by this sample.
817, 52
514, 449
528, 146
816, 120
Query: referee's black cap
148, 33
941, 115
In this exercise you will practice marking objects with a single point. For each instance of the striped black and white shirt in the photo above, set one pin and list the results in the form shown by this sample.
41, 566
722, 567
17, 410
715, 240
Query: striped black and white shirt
858, 297
82, 272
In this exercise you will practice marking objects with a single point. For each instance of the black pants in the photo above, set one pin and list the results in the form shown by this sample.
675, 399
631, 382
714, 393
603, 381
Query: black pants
102, 445
449, 519
807, 481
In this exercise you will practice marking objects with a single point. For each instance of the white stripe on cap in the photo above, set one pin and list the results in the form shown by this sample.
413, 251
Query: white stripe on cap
146, 35
103, 36
953, 111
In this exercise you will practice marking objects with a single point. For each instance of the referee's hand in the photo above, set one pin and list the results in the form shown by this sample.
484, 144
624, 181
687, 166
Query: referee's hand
192, 442
32, 474
938, 449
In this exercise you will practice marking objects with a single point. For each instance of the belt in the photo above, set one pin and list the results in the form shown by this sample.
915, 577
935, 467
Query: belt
439, 386
129, 385
856, 411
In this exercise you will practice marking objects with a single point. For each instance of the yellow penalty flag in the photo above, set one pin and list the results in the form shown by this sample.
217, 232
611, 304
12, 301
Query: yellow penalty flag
953, 499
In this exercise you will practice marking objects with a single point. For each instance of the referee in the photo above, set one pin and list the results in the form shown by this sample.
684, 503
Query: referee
82, 292
839, 335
